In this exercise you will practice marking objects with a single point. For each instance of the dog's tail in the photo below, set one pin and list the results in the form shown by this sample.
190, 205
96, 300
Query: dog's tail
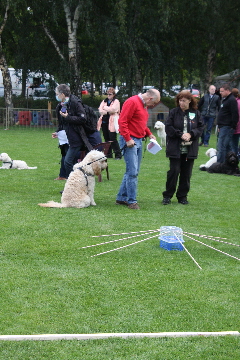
51, 204
32, 168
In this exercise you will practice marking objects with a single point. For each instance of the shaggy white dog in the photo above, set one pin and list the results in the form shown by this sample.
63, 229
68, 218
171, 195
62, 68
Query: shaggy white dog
160, 127
212, 153
79, 188
8, 163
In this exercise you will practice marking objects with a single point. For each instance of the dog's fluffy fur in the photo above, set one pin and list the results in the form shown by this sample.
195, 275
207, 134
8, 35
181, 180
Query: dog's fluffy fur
160, 127
79, 188
8, 163
212, 153
229, 167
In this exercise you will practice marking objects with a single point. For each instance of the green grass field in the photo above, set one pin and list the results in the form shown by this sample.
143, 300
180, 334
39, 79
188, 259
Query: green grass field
50, 285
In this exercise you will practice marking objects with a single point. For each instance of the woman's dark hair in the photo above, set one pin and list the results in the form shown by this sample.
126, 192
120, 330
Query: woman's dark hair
235, 93
63, 89
187, 95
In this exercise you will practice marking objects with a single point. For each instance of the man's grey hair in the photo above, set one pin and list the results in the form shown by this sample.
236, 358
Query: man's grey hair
63, 89
152, 93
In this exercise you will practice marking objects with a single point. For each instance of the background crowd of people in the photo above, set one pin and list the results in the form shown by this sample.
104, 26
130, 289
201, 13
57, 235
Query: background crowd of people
188, 126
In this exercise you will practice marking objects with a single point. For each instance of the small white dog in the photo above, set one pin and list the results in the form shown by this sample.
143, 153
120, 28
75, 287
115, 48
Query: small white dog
79, 188
8, 163
160, 127
212, 153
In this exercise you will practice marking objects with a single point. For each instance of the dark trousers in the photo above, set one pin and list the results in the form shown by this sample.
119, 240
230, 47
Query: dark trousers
64, 149
111, 136
181, 172
70, 158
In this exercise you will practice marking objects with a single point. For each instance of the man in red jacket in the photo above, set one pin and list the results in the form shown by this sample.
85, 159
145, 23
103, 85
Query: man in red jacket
133, 128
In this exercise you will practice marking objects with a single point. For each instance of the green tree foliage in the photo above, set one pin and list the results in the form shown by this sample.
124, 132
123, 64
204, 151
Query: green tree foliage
139, 42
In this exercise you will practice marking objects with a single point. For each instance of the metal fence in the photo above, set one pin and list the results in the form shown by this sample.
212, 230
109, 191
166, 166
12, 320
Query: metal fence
43, 118
35, 118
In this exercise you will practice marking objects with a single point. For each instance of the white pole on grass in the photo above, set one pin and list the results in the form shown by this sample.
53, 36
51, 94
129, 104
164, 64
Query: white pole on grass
188, 252
122, 247
112, 241
42, 337
211, 247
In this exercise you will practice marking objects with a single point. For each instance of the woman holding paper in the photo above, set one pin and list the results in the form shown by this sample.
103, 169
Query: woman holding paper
183, 127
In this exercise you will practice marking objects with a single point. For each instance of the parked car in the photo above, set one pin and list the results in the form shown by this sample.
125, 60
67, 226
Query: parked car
42, 93
195, 92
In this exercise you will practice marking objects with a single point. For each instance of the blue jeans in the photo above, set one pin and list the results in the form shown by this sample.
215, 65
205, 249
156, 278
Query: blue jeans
235, 142
208, 122
132, 157
70, 158
224, 142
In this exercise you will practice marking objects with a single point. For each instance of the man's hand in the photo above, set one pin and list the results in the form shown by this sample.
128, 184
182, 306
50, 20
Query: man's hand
65, 114
130, 143
152, 137
54, 135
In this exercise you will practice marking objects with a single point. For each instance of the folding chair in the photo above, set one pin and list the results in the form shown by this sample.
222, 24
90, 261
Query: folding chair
104, 147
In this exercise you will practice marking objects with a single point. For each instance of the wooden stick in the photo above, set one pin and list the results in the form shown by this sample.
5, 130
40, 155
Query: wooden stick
212, 238
127, 233
211, 247
122, 247
112, 241
188, 252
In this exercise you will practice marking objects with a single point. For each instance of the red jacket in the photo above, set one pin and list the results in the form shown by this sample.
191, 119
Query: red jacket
133, 119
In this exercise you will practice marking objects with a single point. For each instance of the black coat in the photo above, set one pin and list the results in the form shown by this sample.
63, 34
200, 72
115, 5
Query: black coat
174, 130
228, 113
73, 123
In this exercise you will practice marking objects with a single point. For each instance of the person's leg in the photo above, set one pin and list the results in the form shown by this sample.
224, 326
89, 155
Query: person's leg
132, 157
184, 178
172, 177
115, 145
106, 136
70, 157
224, 142
95, 138
64, 149
208, 129
235, 140
204, 130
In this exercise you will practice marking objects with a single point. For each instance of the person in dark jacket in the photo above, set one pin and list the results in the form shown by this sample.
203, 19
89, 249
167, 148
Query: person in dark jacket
227, 122
208, 105
183, 127
71, 118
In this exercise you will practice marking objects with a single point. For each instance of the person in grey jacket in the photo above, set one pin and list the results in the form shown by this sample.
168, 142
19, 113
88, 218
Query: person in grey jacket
208, 105
183, 127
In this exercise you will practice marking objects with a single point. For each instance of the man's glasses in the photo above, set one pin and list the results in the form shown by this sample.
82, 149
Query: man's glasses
110, 94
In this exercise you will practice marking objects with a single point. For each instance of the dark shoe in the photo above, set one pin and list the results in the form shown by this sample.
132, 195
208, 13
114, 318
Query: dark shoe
200, 144
118, 158
134, 206
119, 202
166, 201
183, 201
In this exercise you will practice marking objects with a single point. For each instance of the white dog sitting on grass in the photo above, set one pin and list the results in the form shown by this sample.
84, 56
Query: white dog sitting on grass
212, 153
79, 188
160, 127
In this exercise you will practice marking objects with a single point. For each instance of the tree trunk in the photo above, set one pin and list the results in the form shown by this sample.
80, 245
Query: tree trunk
210, 67
7, 84
74, 56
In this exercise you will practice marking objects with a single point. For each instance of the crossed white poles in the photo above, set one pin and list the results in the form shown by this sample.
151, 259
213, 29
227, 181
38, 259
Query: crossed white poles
149, 232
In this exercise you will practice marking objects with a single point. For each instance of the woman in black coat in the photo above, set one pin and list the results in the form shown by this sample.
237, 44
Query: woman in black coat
183, 127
